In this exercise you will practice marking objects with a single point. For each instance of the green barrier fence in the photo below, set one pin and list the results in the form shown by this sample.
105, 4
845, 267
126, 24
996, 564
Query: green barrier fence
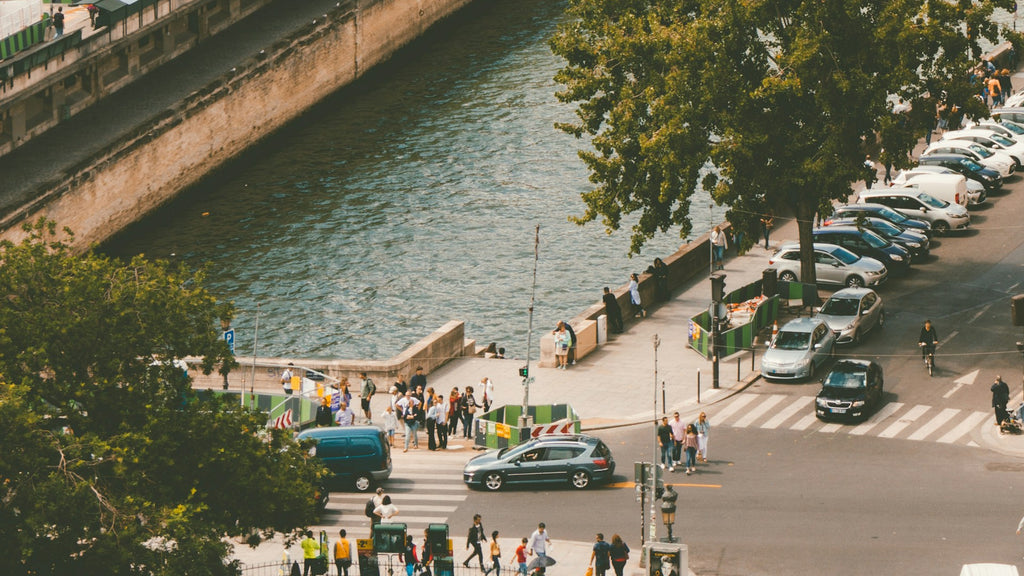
24, 38
275, 405
500, 428
740, 337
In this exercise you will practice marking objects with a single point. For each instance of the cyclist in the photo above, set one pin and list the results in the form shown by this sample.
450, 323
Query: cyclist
927, 341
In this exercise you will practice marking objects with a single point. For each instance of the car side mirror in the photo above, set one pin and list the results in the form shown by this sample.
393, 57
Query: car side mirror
817, 345
517, 462
924, 208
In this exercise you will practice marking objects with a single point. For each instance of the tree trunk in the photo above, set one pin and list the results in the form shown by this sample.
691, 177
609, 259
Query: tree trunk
805, 224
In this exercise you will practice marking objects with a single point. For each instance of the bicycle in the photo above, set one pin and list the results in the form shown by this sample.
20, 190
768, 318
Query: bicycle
929, 356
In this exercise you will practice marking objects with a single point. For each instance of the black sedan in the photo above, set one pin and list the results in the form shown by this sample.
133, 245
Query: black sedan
850, 391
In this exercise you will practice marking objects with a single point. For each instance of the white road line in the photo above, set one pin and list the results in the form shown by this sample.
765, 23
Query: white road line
787, 412
879, 417
964, 427
410, 485
804, 423
946, 339
734, 406
979, 313
831, 428
362, 498
452, 475
356, 507
934, 424
906, 420
759, 410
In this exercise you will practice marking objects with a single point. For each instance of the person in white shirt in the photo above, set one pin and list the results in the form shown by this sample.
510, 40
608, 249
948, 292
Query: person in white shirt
539, 541
345, 416
386, 511
286, 379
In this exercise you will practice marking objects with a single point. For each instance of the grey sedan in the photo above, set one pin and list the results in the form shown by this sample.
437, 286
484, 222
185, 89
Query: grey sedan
833, 265
578, 461
800, 347
851, 313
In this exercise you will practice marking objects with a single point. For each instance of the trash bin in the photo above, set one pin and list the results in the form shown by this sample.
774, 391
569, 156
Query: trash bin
770, 282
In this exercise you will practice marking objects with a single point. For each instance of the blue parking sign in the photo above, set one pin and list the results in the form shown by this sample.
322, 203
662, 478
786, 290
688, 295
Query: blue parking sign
229, 337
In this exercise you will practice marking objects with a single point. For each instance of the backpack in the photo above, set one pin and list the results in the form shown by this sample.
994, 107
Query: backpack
369, 508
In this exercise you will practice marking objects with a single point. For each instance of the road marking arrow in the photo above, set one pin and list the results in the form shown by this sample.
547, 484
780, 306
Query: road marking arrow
966, 379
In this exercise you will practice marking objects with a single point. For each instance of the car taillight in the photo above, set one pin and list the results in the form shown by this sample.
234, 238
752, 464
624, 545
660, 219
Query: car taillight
600, 462
827, 223
957, 197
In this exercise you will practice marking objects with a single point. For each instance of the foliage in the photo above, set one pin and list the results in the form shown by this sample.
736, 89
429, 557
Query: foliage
782, 97
113, 464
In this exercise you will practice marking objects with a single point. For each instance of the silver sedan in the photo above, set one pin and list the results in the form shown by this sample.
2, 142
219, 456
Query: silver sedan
800, 347
851, 313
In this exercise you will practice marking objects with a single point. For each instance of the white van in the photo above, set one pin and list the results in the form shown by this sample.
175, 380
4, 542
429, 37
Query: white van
949, 187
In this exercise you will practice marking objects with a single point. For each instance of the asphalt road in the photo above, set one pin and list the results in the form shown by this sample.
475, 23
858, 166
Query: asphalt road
784, 501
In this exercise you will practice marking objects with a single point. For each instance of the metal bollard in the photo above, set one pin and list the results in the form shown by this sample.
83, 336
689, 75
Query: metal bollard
698, 386
738, 369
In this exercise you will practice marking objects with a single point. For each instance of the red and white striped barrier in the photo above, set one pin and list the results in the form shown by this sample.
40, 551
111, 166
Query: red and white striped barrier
560, 427
284, 420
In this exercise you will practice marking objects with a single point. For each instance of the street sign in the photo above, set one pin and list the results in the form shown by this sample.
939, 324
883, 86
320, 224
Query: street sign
229, 337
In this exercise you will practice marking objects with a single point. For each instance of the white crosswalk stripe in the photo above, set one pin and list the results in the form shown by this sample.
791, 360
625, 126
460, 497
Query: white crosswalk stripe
897, 420
426, 487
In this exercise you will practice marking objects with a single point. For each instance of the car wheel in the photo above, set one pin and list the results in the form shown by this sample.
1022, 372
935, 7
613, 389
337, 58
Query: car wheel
854, 282
787, 276
493, 481
580, 479
940, 227
362, 483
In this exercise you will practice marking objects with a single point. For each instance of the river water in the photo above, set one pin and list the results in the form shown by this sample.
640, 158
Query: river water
407, 200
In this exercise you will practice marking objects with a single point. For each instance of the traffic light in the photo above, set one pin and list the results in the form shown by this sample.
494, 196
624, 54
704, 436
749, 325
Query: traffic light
524, 371
717, 287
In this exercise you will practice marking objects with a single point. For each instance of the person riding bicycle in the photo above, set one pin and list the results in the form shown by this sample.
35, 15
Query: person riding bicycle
927, 341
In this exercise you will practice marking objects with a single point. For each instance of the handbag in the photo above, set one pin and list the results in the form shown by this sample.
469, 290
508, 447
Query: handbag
590, 571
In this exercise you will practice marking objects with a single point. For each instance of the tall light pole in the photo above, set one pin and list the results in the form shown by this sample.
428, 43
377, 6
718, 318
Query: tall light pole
656, 341
524, 418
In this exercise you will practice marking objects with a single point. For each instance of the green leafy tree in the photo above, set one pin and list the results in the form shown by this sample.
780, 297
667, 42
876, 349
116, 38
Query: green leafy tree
112, 464
767, 104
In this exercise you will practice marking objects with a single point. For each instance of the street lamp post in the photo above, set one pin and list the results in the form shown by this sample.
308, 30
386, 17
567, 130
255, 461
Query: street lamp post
656, 341
524, 418
668, 510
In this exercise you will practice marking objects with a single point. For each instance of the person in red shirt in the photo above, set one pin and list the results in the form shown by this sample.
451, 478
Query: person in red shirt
520, 557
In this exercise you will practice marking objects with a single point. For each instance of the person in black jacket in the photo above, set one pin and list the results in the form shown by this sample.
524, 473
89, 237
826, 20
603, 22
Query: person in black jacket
1000, 398
612, 310
474, 538
324, 417
928, 339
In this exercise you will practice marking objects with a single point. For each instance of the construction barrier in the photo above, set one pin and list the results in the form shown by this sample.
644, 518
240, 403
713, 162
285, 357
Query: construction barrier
750, 312
500, 427
24, 38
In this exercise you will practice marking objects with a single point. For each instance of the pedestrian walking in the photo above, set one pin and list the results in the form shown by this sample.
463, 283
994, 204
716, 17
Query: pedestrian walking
470, 406
442, 422
600, 556
520, 557
870, 172
634, 296
703, 430
390, 420
366, 393
58, 23
475, 536
719, 243
1000, 398
690, 442
454, 411
678, 433
286, 379
342, 554
539, 541
767, 223
619, 553
488, 388
495, 555
612, 310
665, 443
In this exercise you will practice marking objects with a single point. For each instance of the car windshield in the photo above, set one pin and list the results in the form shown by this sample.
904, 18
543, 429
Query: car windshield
892, 215
981, 150
873, 240
885, 227
970, 164
845, 256
842, 379
792, 340
931, 200
1001, 139
841, 307
1012, 127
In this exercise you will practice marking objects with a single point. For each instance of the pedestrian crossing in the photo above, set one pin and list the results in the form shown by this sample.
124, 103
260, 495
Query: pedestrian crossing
917, 422
426, 487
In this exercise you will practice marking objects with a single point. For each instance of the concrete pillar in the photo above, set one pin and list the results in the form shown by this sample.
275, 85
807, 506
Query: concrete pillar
602, 329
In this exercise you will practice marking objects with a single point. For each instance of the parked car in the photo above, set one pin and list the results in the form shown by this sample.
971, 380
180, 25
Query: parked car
991, 139
964, 165
1009, 129
852, 312
851, 390
996, 160
883, 211
577, 460
357, 456
943, 216
866, 243
800, 347
832, 265
916, 243
1012, 113
976, 192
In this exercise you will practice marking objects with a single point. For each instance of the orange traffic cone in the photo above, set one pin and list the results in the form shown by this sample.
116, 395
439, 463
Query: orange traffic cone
775, 329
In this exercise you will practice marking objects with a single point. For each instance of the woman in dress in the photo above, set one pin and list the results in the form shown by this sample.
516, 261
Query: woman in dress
562, 342
634, 296
703, 429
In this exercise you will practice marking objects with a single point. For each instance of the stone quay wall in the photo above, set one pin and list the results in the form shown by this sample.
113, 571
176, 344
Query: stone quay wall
150, 164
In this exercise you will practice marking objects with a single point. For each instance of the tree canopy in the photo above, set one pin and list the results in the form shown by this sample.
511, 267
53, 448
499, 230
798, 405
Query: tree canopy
770, 105
112, 464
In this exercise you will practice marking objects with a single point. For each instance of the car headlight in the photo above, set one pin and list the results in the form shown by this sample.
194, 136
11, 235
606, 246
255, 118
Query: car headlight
897, 258
914, 244
858, 403
820, 402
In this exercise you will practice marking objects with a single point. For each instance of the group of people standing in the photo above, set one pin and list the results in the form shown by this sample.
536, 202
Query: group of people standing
677, 439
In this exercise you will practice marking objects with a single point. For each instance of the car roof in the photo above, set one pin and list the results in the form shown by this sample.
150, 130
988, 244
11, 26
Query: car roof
943, 157
908, 191
853, 362
851, 293
839, 229
340, 431
801, 325
566, 438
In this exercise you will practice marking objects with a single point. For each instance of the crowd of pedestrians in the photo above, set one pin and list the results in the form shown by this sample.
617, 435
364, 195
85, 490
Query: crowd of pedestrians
678, 440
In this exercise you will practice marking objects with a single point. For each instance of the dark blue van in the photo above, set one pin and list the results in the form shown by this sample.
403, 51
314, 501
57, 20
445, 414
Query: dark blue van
357, 456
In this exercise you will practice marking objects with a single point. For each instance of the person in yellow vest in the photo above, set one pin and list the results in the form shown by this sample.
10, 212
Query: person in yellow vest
342, 554
310, 550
